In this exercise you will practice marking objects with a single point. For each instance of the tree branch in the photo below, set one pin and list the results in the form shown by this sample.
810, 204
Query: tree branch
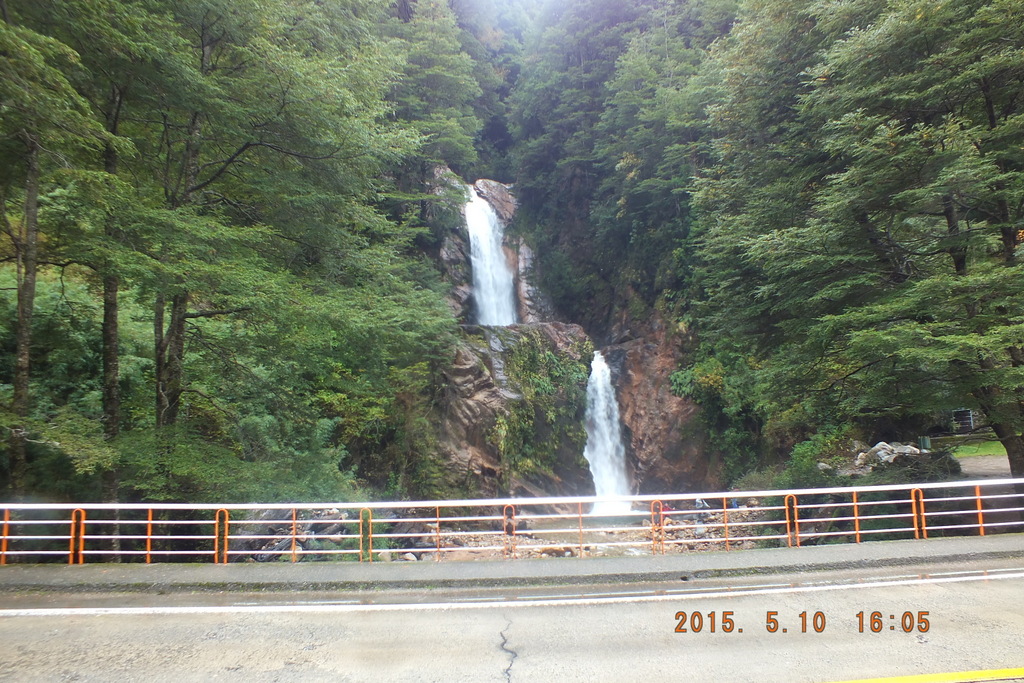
213, 402
223, 311
227, 163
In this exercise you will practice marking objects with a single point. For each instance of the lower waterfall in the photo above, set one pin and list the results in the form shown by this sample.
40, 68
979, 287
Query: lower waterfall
605, 451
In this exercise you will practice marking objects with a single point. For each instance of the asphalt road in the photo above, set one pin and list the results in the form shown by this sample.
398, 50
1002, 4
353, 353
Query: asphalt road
619, 631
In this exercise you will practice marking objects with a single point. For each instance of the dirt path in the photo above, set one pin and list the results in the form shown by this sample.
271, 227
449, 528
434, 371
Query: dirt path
985, 466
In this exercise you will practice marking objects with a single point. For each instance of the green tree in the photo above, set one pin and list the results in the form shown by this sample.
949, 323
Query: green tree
859, 228
555, 109
242, 216
493, 34
437, 88
651, 140
929, 133
44, 120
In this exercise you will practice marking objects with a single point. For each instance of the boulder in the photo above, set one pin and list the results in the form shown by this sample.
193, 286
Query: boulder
894, 454
865, 459
878, 448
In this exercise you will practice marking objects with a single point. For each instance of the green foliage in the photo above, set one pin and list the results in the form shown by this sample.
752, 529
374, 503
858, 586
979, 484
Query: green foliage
493, 34
554, 112
547, 420
853, 230
253, 146
437, 88
830, 193
723, 385
830, 446
609, 133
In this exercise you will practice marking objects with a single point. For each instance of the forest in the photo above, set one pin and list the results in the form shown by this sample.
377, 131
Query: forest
221, 222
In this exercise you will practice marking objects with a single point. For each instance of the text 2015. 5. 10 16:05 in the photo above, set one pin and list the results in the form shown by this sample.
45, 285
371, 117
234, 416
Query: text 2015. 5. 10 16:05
803, 622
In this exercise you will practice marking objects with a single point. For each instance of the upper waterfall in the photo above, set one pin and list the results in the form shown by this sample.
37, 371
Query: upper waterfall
605, 450
493, 281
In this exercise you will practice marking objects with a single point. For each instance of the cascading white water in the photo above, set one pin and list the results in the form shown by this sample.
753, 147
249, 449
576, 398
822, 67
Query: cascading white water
605, 451
493, 288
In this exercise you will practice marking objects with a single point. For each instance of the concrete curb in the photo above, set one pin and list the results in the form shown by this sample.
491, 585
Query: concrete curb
344, 576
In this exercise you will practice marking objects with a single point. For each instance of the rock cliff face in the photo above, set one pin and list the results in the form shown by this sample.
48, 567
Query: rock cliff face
500, 434
666, 447
499, 437
499, 196
532, 306
454, 256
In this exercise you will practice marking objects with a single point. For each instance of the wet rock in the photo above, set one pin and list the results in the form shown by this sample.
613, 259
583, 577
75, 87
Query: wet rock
666, 446
480, 392
454, 257
533, 306
499, 196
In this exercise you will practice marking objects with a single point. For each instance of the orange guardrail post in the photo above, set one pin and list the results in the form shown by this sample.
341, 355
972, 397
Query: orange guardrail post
149, 535
7, 531
977, 497
657, 527
221, 534
366, 534
295, 531
792, 521
76, 550
917, 507
856, 517
508, 527
725, 520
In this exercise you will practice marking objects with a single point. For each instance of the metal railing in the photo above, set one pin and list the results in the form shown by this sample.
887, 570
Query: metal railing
504, 528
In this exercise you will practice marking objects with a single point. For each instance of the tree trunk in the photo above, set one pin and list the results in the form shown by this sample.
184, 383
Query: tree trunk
111, 334
111, 338
111, 403
27, 260
158, 353
957, 248
1013, 442
1014, 445
1002, 417
170, 352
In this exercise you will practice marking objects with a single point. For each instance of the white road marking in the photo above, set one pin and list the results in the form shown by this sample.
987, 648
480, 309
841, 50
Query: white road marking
551, 602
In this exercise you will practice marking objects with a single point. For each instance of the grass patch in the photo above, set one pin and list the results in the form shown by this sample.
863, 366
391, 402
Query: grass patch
980, 448
967, 445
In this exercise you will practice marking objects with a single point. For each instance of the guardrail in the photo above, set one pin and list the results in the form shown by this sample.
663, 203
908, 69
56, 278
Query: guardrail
504, 528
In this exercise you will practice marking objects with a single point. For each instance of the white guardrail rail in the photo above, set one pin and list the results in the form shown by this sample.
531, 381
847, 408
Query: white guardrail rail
504, 528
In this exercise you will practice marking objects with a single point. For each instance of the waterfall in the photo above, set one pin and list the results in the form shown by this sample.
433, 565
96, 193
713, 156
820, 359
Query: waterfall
605, 451
493, 288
